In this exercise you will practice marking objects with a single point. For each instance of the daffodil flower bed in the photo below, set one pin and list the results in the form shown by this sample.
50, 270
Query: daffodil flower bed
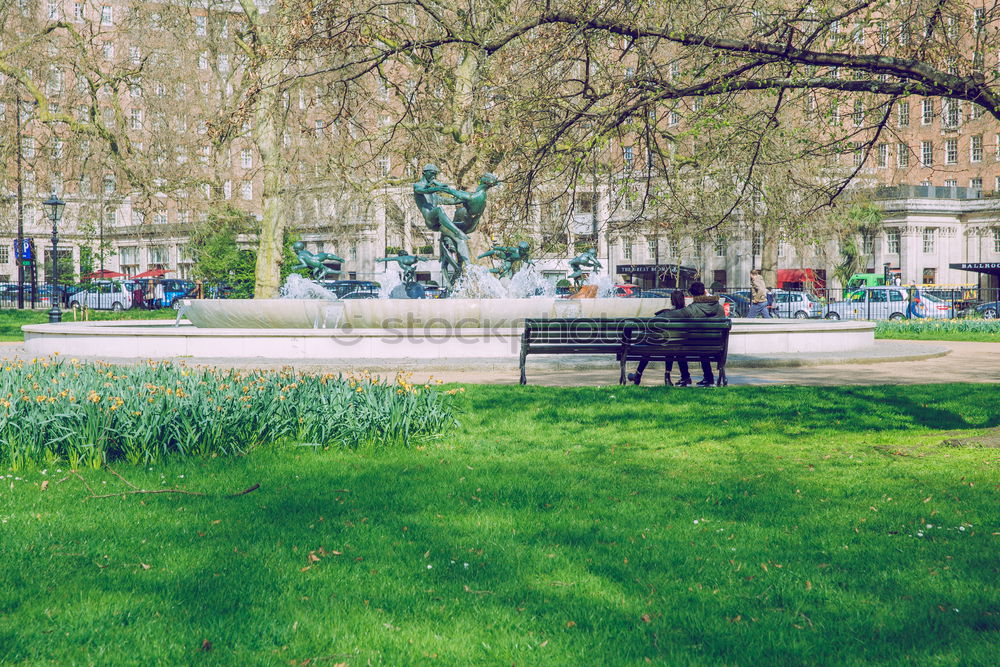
93, 413
928, 329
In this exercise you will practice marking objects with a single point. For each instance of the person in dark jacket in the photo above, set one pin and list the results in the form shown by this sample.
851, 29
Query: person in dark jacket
677, 301
703, 306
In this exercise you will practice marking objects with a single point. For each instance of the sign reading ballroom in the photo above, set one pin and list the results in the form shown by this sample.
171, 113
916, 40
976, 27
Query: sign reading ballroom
988, 267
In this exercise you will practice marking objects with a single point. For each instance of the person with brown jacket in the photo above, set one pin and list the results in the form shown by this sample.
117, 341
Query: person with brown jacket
758, 295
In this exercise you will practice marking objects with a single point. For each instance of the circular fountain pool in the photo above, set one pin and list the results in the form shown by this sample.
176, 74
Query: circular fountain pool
377, 329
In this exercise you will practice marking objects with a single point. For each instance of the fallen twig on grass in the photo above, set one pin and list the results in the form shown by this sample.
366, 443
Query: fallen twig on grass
135, 490
121, 478
132, 493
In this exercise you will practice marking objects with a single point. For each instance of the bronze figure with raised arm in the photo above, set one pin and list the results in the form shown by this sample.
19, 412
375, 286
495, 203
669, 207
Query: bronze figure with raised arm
408, 264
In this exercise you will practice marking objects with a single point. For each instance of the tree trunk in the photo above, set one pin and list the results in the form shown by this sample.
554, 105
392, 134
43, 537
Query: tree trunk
267, 136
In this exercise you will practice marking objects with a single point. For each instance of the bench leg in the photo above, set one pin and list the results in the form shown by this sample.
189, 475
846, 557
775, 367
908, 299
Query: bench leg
722, 381
621, 368
524, 380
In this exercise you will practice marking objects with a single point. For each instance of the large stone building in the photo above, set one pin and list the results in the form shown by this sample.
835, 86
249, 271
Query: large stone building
939, 170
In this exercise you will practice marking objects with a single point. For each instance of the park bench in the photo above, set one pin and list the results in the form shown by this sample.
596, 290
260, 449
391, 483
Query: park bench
573, 336
661, 339
628, 338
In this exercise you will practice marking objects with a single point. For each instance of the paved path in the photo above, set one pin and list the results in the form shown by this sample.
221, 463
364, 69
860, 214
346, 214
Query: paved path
965, 362
953, 362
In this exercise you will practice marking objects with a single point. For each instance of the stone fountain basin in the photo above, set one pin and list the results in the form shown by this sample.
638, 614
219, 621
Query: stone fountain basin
398, 314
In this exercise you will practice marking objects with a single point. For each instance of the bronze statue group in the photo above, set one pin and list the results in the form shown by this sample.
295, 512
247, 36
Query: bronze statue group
431, 196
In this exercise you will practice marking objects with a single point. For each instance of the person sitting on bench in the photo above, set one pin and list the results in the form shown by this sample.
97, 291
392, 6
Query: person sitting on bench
704, 306
677, 301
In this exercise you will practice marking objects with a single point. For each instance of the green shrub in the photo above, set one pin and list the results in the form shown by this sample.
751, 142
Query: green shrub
90, 414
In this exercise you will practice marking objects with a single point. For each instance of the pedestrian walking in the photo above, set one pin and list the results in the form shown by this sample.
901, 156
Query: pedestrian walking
758, 296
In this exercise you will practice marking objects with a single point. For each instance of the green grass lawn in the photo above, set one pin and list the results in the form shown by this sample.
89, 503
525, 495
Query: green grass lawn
554, 526
12, 319
965, 329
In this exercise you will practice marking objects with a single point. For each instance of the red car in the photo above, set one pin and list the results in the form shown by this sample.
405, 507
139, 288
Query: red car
627, 291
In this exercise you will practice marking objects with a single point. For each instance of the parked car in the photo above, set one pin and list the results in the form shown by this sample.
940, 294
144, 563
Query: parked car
627, 291
656, 293
342, 287
360, 295
893, 303
740, 303
104, 296
989, 311
797, 305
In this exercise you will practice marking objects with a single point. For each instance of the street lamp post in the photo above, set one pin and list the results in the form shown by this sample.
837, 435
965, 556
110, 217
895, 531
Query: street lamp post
54, 209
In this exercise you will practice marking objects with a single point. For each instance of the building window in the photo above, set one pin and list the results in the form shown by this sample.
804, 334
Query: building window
927, 112
929, 276
951, 183
950, 112
160, 218
892, 241
246, 158
903, 114
757, 244
202, 61
720, 246
858, 155
159, 255
78, 11
926, 153
950, 151
883, 155
976, 183
627, 249
107, 16
996, 239
627, 154
129, 255
246, 190
673, 248
227, 190
135, 119
200, 23
976, 148
859, 113
384, 166
978, 19
651, 248
675, 118
868, 244
928, 238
